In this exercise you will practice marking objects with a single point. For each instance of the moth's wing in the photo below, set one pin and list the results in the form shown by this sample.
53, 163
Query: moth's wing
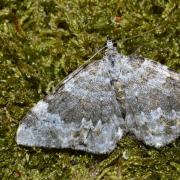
81, 114
152, 99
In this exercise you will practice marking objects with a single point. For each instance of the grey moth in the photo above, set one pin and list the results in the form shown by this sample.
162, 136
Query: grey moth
98, 103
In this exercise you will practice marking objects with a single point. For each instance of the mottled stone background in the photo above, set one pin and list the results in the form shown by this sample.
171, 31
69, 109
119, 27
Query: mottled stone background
41, 42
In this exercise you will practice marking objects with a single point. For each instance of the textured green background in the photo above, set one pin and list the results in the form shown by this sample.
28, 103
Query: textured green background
42, 41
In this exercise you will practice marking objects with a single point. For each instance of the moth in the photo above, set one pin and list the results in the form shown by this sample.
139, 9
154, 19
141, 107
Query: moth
100, 102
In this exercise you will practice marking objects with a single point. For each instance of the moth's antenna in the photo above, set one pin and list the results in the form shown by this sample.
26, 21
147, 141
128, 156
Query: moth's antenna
80, 68
97, 53
138, 35
109, 45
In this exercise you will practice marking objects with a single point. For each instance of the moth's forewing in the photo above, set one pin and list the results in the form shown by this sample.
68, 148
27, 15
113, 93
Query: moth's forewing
82, 113
152, 100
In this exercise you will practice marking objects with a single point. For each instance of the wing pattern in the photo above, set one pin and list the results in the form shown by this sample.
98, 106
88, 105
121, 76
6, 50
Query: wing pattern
96, 105
152, 100
82, 114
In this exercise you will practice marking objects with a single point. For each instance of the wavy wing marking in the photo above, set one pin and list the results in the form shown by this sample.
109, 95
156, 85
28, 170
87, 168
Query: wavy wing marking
152, 100
82, 114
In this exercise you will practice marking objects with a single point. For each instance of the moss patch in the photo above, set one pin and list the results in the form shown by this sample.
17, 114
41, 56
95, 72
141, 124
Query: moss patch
41, 42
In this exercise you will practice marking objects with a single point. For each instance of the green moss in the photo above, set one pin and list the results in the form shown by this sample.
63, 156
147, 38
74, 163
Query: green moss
41, 42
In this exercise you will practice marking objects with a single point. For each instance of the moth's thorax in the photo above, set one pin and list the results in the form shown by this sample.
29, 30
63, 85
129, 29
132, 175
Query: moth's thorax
109, 44
110, 53
111, 49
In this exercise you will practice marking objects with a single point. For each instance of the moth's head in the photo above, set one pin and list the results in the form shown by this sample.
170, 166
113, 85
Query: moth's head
110, 44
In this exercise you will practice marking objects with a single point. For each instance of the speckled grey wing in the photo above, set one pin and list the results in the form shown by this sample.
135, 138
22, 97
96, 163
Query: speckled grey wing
81, 114
152, 99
